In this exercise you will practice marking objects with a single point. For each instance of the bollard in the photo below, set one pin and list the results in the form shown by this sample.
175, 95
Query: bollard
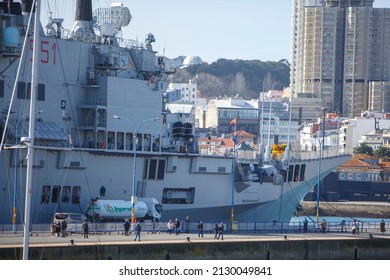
268, 255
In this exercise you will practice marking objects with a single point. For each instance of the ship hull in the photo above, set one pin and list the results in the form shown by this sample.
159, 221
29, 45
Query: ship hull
202, 196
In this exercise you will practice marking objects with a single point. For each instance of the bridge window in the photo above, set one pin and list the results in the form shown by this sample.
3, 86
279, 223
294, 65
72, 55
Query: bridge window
161, 169
65, 197
154, 169
55, 194
290, 173
45, 196
302, 173
76, 191
296, 173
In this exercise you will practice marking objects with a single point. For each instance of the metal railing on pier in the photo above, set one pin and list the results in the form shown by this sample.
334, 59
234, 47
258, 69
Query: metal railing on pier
235, 227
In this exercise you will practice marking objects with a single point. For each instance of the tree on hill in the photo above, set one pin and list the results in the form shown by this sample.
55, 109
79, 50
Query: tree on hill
245, 78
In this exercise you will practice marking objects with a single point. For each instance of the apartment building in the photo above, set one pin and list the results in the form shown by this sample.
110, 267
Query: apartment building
341, 54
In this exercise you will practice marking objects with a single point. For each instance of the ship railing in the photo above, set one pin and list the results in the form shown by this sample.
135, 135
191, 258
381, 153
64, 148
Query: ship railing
314, 155
235, 227
130, 43
247, 157
253, 156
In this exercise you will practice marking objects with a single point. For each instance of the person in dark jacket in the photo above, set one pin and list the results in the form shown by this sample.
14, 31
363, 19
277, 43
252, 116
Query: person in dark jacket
215, 231
177, 226
85, 228
220, 231
126, 225
137, 231
200, 229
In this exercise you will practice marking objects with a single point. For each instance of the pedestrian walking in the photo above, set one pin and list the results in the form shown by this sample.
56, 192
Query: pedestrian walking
170, 226
177, 226
126, 225
52, 229
305, 223
355, 227
215, 231
323, 226
200, 229
58, 229
137, 232
220, 231
64, 225
188, 222
85, 228
382, 226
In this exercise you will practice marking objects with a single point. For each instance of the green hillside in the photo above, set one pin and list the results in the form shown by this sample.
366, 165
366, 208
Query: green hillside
245, 78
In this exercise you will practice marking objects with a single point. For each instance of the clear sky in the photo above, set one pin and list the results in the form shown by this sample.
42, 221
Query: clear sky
211, 29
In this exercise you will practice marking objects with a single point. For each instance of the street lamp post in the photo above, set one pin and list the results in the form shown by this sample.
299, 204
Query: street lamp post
322, 147
233, 179
136, 128
233, 173
14, 212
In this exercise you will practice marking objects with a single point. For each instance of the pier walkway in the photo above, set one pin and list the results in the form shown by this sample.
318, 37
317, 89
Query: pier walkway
291, 243
10, 240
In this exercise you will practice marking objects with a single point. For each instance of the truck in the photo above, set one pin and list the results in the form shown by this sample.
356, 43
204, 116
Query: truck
73, 220
107, 210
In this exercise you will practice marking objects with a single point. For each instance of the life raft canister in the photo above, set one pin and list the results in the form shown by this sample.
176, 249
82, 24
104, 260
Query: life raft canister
102, 144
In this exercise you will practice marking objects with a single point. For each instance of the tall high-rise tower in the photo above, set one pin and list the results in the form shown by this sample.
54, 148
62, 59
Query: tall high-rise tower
341, 53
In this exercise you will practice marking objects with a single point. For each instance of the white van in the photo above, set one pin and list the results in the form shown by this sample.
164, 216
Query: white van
74, 221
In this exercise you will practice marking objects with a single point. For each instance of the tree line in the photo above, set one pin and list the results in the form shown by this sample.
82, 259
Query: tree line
382, 152
241, 78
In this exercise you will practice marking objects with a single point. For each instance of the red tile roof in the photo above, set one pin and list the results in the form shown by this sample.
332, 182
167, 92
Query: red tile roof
357, 162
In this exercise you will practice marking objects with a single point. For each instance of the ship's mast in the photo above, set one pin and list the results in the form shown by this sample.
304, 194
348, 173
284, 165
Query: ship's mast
30, 148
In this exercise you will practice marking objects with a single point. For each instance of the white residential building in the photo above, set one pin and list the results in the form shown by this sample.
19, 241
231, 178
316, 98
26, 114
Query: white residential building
352, 130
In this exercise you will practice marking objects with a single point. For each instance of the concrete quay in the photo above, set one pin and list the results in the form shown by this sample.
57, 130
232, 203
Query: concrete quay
368, 245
